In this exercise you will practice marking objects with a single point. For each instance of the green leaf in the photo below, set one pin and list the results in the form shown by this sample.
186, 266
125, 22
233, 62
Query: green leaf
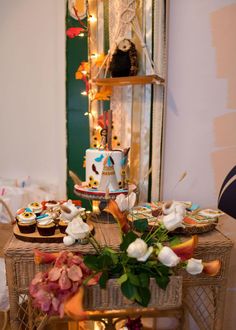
163, 270
103, 280
151, 263
129, 290
91, 262
117, 270
127, 239
145, 295
122, 278
162, 281
141, 224
112, 254
144, 279
174, 240
134, 279
109, 250
104, 262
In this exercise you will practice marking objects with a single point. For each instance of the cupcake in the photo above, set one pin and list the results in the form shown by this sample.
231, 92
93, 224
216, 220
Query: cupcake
36, 207
52, 205
26, 222
19, 211
45, 225
63, 225
54, 214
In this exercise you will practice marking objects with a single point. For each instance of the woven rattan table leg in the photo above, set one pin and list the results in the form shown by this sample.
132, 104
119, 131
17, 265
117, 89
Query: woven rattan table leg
43, 322
5, 322
219, 292
13, 295
206, 305
30, 314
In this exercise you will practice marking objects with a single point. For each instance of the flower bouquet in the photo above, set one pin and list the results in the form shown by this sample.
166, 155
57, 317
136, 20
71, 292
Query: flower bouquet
142, 255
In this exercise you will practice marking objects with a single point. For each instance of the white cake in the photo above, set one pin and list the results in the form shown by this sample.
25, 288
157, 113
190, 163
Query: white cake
95, 165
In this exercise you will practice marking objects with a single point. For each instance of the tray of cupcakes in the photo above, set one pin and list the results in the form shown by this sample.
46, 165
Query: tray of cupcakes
47, 221
176, 216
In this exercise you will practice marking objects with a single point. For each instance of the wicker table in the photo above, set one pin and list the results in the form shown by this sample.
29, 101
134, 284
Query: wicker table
203, 296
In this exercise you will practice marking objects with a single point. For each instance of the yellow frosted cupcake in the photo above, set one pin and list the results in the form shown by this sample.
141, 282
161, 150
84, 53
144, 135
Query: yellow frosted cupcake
36, 207
26, 222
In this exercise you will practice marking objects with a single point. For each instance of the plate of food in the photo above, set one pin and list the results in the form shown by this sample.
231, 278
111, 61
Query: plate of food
191, 219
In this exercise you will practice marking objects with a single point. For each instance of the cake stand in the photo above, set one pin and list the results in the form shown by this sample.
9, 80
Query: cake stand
85, 192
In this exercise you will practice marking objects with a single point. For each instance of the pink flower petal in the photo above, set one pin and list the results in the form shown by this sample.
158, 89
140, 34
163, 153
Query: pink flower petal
43, 299
77, 260
75, 273
37, 279
61, 310
85, 269
54, 274
62, 259
64, 281
55, 304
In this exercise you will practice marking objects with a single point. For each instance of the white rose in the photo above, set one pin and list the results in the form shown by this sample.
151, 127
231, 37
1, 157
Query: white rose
172, 221
194, 266
77, 228
146, 255
167, 257
139, 250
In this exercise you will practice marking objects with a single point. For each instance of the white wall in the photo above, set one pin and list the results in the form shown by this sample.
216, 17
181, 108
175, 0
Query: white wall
32, 97
197, 101
32, 91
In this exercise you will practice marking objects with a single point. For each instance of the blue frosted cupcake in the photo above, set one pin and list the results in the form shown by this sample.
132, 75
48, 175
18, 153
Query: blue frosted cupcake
45, 225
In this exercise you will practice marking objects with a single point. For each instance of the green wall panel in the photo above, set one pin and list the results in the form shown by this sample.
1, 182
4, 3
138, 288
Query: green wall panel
76, 106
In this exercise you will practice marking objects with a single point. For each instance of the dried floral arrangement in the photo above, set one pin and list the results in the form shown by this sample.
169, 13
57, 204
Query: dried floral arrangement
143, 254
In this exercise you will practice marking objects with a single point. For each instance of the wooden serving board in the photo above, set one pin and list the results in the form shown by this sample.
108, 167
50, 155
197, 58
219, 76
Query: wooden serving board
36, 238
188, 230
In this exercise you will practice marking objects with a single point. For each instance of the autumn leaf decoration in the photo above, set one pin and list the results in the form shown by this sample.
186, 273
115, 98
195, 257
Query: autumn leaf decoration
103, 94
120, 217
185, 250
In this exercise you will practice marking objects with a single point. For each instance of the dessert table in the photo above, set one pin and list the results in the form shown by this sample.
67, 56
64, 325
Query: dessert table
201, 295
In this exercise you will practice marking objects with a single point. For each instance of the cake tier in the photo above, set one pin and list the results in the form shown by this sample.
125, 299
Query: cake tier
95, 163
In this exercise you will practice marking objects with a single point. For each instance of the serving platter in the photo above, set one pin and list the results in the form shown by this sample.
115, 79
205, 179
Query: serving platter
37, 238
194, 223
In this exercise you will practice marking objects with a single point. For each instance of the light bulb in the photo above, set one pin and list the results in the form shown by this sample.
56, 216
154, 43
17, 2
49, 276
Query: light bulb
84, 72
92, 18
84, 93
94, 56
81, 34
